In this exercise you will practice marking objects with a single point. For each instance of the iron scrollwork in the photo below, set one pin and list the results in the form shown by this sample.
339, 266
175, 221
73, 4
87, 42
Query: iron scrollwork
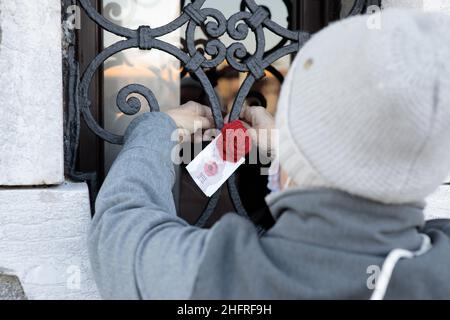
252, 18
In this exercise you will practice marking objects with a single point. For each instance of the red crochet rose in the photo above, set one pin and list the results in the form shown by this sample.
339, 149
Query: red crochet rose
235, 142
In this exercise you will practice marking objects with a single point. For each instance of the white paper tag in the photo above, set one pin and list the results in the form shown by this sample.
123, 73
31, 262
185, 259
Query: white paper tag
210, 171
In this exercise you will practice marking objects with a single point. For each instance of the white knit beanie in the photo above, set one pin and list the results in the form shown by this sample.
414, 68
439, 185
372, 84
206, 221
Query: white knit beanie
368, 111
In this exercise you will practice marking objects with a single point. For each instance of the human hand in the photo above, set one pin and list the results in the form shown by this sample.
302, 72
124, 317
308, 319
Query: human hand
261, 125
191, 117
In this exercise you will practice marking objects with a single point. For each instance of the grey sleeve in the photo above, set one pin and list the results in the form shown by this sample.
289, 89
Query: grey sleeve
138, 246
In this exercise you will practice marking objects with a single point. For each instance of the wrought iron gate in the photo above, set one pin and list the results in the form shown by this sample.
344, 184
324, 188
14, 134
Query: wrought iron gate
251, 18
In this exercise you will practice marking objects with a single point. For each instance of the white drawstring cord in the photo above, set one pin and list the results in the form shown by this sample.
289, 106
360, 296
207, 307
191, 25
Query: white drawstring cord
389, 264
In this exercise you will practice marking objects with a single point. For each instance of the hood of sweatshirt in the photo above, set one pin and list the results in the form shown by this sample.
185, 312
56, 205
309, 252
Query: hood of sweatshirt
328, 244
339, 220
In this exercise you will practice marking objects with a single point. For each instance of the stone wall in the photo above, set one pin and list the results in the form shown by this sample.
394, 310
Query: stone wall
30, 96
43, 240
43, 218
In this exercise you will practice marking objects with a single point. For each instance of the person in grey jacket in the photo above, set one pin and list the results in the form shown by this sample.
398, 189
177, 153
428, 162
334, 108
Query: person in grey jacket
363, 120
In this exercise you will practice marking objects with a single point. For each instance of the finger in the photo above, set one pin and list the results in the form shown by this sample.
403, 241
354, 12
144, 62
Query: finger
244, 108
206, 111
207, 123
198, 136
253, 135
202, 110
211, 134
246, 125
247, 114
255, 115
209, 114
183, 135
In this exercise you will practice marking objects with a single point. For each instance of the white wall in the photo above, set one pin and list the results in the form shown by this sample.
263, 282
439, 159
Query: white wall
42, 228
43, 237
31, 136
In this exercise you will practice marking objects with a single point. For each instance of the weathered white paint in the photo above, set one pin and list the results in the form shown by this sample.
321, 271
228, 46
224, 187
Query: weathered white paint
437, 5
31, 134
428, 5
43, 240
417, 4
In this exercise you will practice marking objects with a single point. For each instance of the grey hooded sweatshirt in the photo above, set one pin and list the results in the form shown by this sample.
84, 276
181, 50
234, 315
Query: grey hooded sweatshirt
325, 244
